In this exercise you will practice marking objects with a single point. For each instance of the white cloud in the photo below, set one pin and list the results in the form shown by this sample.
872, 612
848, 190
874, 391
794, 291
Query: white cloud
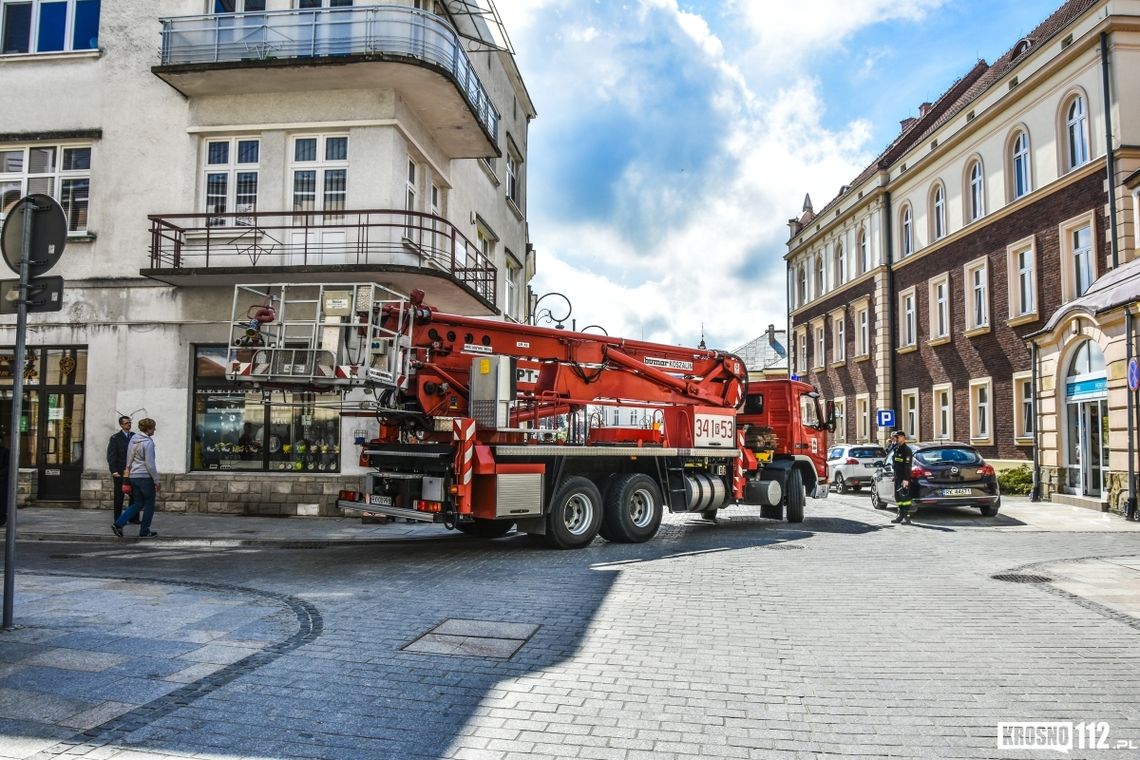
709, 163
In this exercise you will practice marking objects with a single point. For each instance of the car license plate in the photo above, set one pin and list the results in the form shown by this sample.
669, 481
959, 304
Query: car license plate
956, 491
380, 501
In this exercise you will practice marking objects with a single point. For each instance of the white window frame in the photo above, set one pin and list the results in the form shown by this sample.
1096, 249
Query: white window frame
514, 178
942, 409
1066, 231
840, 406
820, 275
982, 411
1022, 405
938, 212
801, 350
908, 414
864, 251
839, 336
863, 329
512, 272
1076, 132
820, 344
321, 165
906, 231
976, 276
231, 170
34, 27
908, 318
939, 307
840, 264
1021, 269
1020, 174
15, 184
863, 417
976, 184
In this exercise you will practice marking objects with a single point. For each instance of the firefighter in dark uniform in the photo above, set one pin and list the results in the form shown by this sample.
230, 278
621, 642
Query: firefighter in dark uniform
901, 456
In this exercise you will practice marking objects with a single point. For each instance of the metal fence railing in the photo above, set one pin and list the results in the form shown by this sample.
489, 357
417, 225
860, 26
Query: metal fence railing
327, 32
319, 238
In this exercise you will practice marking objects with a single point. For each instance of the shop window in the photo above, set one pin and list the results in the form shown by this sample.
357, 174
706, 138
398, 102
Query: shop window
235, 429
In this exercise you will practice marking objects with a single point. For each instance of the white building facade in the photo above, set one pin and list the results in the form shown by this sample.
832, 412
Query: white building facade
237, 142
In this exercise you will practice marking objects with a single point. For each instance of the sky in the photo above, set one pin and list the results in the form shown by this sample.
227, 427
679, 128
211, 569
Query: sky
675, 139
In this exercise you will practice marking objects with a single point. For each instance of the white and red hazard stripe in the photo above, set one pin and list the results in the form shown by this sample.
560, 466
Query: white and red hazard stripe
463, 433
738, 467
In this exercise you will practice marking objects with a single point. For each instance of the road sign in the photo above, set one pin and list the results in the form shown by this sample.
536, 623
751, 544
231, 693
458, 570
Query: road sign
885, 418
44, 294
1133, 374
49, 234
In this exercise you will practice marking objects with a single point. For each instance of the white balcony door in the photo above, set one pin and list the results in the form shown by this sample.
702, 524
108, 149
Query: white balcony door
317, 247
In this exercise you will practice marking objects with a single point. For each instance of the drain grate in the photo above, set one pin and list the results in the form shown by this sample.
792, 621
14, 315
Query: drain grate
1021, 578
474, 638
785, 547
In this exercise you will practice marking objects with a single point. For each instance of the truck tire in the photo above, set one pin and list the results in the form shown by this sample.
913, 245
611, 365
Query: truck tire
795, 498
486, 528
575, 514
633, 509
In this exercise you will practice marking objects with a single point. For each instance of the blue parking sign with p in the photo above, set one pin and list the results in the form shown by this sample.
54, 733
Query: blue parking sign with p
885, 418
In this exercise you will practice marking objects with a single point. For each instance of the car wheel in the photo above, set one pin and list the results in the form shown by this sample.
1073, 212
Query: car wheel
991, 511
842, 485
876, 501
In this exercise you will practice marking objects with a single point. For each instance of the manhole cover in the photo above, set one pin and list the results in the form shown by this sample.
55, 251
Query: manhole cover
784, 547
474, 638
1022, 578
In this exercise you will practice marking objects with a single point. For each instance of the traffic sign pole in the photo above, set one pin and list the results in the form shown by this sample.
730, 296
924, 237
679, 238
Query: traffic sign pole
17, 411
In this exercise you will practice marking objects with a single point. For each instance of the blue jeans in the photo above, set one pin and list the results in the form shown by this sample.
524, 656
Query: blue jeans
142, 500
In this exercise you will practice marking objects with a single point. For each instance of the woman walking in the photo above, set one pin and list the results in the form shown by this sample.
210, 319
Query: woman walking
143, 477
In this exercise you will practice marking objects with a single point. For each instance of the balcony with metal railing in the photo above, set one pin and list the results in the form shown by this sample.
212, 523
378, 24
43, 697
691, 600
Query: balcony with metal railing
359, 47
403, 249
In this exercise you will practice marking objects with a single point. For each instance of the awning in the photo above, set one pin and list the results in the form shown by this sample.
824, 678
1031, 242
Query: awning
478, 20
1119, 287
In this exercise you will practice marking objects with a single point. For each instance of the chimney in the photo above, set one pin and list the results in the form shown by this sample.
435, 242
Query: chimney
923, 110
794, 227
907, 122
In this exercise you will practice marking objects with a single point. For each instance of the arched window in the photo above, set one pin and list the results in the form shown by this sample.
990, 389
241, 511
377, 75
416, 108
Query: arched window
820, 276
906, 233
864, 253
840, 264
1019, 164
938, 212
1076, 132
802, 284
1088, 359
977, 191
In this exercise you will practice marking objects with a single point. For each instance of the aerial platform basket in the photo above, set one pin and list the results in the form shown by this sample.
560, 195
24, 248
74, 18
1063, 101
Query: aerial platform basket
317, 336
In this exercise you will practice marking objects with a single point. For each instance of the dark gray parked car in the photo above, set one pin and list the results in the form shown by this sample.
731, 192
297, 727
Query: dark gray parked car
948, 474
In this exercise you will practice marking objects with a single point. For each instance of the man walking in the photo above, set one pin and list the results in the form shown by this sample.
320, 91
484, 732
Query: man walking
117, 462
901, 458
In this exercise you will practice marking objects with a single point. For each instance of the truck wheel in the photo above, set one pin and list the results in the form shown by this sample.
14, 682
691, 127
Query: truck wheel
486, 528
633, 509
575, 514
795, 499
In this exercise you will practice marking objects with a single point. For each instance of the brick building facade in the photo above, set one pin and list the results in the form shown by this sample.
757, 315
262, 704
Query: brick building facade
926, 285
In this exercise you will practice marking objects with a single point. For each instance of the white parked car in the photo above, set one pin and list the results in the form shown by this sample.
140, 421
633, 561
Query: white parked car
850, 466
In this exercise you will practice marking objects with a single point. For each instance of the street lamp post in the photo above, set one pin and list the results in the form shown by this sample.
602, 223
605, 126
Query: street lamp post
550, 314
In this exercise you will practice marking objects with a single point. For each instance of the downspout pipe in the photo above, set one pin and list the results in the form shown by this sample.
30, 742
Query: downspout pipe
1130, 502
1110, 157
889, 311
1035, 494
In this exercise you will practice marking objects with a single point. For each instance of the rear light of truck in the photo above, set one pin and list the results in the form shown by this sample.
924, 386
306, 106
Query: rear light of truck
920, 472
348, 496
428, 506
986, 470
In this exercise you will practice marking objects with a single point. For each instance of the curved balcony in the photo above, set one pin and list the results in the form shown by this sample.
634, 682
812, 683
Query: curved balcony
403, 249
361, 47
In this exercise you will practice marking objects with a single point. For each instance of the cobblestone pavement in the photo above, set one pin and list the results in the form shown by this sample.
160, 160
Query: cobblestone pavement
842, 636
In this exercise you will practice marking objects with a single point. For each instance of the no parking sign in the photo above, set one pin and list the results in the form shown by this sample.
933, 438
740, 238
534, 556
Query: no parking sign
1133, 374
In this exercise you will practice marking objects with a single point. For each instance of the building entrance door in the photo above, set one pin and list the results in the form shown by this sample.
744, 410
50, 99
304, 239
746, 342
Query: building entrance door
1088, 447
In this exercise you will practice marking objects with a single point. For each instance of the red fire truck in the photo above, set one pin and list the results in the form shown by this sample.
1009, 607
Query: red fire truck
484, 426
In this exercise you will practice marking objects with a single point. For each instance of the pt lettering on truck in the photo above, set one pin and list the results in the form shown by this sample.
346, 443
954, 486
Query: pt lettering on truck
713, 430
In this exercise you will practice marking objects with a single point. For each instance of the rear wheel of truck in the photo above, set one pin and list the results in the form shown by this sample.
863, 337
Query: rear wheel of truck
795, 498
486, 528
575, 514
633, 509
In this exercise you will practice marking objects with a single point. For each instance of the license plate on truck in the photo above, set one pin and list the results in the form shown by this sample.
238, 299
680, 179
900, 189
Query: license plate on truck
956, 491
380, 501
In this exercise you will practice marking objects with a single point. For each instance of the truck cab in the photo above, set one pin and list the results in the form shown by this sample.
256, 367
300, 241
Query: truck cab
787, 427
